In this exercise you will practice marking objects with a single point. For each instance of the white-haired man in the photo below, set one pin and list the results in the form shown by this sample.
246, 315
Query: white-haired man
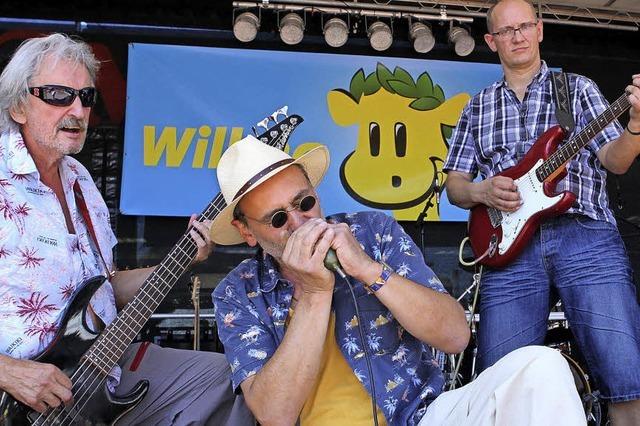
51, 241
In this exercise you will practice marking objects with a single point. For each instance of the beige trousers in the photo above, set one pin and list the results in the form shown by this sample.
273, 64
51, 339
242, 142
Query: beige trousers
530, 386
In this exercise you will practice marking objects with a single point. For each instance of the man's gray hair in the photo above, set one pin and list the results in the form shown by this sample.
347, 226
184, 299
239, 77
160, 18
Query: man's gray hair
26, 62
490, 12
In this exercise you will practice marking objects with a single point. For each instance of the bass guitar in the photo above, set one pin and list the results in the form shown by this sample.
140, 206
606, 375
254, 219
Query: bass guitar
497, 237
87, 357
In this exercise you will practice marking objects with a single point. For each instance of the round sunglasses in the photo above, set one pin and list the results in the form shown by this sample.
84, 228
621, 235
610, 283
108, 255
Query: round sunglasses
279, 218
64, 96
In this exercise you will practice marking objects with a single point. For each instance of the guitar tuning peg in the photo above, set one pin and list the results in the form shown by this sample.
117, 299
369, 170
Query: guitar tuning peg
281, 111
264, 123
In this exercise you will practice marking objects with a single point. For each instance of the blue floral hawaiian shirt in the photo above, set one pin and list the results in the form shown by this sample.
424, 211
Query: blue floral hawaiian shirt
252, 304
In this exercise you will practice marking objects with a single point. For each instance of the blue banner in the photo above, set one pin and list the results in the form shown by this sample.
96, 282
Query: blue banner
385, 121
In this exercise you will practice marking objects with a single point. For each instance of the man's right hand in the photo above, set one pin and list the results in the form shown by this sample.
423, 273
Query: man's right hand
35, 384
303, 257
500, 192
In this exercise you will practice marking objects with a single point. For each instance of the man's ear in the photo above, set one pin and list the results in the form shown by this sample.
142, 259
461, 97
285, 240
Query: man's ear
18, 115
488, 38
540, 29
245, 232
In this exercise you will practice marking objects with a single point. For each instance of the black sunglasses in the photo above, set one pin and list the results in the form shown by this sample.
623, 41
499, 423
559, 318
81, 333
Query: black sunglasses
64, 96
279, 218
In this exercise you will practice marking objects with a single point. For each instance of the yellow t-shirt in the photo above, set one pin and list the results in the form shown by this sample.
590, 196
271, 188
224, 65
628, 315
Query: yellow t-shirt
337, 398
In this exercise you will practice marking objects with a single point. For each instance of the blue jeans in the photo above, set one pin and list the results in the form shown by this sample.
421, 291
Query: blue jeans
586, 262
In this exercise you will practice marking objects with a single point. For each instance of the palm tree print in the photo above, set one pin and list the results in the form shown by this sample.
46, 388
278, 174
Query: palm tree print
350, 345
29, 259
35, 308
390, 405
67, 290
41, 330
373, 340
20, 177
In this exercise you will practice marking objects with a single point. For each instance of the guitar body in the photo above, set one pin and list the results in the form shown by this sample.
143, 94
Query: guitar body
509, 233
72, 340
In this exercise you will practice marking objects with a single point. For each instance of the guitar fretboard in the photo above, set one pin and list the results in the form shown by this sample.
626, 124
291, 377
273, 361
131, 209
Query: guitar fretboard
114, 340
559, 158
110, 346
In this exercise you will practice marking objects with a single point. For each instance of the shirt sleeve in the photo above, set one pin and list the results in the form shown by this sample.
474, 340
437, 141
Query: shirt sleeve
592, 103
248, 344
400, 252
461, 156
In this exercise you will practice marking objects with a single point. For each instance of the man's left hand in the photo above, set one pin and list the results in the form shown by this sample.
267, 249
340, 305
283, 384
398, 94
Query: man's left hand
633, 91
354, 260
199, 231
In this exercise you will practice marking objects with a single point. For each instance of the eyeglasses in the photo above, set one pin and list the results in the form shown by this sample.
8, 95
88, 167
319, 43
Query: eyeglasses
64, 96
509, 32
279, 218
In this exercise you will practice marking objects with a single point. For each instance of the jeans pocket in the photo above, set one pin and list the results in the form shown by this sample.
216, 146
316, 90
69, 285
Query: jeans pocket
592, 224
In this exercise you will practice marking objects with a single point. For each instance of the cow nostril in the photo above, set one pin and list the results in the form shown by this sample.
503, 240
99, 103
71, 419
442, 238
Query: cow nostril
396, 181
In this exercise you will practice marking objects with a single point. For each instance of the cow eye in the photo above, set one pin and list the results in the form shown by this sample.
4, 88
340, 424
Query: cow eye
374, 139
401, 139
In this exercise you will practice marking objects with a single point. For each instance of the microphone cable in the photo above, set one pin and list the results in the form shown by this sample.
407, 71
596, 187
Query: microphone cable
374, 406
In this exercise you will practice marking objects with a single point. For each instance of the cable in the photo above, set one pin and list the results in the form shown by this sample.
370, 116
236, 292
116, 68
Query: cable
374, 407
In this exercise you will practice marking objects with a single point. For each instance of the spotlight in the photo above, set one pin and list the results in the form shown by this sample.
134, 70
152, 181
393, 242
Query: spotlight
291, 28
380, 36
463, 42
336, 32
422, 37
245, 27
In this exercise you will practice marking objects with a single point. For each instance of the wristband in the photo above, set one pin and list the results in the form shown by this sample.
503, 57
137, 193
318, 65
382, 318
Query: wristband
381, 280
632, 133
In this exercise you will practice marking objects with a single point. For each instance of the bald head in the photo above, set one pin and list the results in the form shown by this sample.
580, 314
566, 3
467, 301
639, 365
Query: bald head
501, 3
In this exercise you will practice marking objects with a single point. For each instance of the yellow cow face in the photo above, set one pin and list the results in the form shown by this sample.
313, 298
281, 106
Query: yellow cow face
399, 149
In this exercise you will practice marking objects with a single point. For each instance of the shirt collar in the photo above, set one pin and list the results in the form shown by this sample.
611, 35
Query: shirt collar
19, 160
539, 78
270, 276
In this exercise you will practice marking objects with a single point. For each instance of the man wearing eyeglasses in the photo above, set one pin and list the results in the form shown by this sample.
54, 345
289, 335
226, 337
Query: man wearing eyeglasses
579, 254
305, 343
55, 234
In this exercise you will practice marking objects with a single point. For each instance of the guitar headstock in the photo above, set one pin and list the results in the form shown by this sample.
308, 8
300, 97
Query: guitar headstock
278, 134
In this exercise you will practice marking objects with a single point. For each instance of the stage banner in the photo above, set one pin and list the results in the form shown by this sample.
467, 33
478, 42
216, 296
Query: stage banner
385, 121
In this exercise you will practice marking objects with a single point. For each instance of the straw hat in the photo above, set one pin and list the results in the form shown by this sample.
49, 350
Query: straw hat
245, 165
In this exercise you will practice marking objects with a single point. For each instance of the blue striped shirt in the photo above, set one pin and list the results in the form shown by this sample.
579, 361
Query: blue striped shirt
496, 130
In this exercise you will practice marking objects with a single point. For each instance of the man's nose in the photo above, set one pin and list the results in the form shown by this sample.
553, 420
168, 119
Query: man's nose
518, 35
296, 218
76, 108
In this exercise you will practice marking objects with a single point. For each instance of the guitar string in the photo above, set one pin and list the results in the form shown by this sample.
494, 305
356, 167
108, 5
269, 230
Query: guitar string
85, 363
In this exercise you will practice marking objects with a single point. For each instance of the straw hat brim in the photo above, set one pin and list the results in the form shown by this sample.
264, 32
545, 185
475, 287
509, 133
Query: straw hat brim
315, 163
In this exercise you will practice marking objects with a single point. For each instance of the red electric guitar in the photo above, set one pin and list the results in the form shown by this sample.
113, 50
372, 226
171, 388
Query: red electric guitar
497, 237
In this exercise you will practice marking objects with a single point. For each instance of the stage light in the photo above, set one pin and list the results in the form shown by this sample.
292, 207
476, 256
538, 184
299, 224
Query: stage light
380, 36
245, 27
462, 41
422, 37
336, 32
292, 28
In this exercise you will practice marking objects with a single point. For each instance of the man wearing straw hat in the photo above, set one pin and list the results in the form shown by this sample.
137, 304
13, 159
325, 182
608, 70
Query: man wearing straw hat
304, 343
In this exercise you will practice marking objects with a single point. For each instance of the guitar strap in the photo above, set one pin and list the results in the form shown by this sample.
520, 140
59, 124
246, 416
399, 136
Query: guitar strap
84, 211
562, 100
